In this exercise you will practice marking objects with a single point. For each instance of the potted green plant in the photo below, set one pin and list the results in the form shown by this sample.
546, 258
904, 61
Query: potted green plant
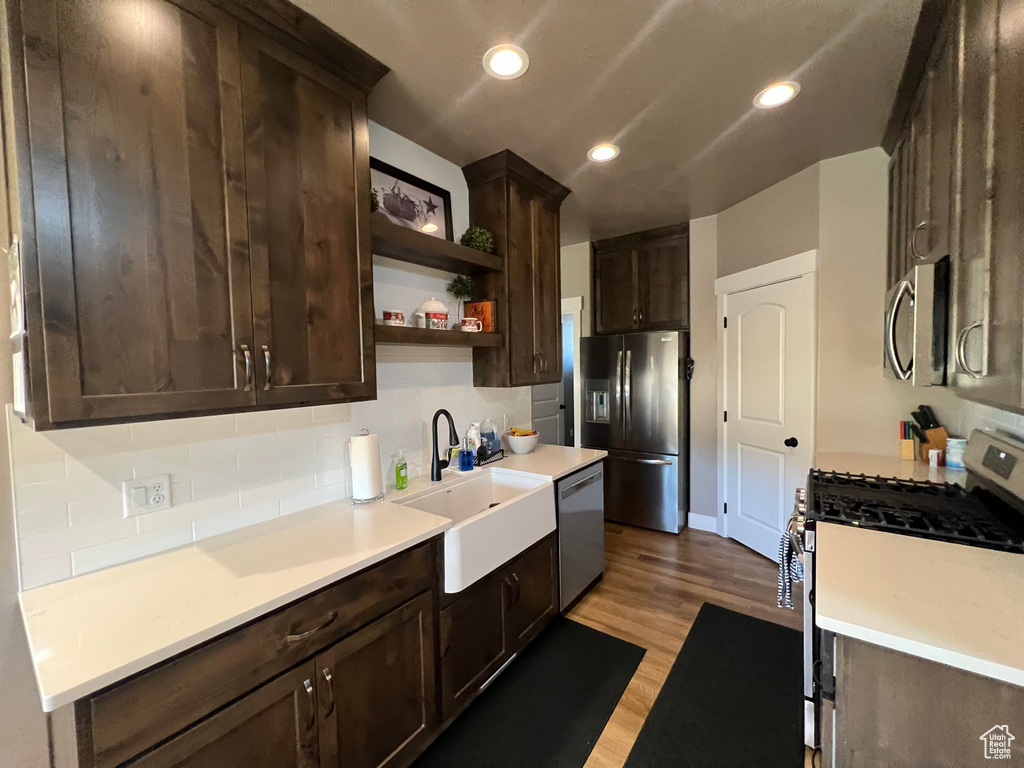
478, 238
462, 289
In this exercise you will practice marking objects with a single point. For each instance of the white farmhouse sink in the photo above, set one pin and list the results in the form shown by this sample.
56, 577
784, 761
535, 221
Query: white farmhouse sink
497, 515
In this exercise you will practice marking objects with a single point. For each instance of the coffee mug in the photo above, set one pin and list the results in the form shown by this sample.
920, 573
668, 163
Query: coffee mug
472, 324
394, 318
437, 321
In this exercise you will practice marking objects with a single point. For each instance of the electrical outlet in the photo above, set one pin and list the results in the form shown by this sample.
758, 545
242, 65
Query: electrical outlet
147, 494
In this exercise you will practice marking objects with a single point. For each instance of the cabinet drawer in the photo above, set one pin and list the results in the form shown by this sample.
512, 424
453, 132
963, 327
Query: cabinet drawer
143, 711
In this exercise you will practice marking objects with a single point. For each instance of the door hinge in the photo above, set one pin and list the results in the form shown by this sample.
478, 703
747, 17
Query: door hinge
725, 508
725, 322
725, 416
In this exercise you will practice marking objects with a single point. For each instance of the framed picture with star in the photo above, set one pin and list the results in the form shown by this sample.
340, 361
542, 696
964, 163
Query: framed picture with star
411, 202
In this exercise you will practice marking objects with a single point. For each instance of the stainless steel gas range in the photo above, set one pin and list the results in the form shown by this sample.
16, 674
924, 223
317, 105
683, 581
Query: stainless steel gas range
988, 512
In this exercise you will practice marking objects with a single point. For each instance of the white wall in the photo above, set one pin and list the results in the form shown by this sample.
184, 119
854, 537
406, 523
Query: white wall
235, 470
859, 408
576, 280
703, 350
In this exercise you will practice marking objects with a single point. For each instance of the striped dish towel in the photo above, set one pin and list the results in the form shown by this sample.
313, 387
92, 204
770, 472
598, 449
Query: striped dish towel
790, 570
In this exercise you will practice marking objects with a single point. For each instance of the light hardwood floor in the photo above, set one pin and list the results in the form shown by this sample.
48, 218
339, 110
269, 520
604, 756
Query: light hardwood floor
653, 586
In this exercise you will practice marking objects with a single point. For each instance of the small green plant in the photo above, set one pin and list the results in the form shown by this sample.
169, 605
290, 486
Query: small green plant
374, 201
462, 289
478, 238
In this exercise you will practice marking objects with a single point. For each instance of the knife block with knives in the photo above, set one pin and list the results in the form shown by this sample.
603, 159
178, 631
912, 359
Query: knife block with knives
930, 433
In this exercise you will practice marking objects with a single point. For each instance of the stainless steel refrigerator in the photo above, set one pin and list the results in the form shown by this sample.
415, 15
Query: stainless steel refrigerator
637, 407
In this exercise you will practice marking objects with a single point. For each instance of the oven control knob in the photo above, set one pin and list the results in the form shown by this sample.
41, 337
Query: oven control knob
801, 508
801, 494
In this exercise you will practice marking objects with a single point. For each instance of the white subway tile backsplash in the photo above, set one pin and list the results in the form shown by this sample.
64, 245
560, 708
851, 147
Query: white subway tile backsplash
47, 571
227, 471
32, 522
92, 510
122, 550
238, 518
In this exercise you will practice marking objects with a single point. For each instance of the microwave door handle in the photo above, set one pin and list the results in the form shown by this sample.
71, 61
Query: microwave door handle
890, 331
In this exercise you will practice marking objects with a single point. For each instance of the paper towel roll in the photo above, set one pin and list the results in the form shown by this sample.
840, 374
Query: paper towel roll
367, 476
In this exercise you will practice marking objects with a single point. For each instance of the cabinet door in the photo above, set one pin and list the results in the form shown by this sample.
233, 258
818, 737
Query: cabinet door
547, 294
977, 191
307, 167
273, 727
937, 239
137, 161
896, 217
993, 292
532, 586
376, 690
615, 301
472, 642
520, 266
919, 198
663, 272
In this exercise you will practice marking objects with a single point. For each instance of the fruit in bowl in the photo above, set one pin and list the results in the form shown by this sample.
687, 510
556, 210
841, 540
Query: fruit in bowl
521, 440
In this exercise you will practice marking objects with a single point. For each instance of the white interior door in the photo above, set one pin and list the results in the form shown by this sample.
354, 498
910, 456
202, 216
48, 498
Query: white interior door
549, 413
769, 399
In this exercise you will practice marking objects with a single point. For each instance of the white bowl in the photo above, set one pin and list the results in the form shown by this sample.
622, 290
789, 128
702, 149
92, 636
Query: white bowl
521, 443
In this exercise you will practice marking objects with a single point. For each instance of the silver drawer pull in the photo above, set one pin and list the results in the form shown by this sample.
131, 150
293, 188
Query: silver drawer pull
304, 635
308, 685
268, 383
580, 485
330, 691
961, 351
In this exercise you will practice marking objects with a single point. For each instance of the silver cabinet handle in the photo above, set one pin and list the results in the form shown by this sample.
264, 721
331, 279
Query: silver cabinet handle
298, 638
890, 331
961, 351
635, 320
268, 382
641, 312
618, 377
248, 367
536, 363
628, 385
915, 254
330, 691
659, 462
308, 685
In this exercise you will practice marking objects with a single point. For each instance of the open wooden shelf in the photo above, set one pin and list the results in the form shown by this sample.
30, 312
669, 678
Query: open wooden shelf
397, 334
404, 244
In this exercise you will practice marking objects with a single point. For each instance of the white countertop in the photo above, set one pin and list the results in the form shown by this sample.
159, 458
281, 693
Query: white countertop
887, 466
93, 630
90, 631
550, 461
954, 604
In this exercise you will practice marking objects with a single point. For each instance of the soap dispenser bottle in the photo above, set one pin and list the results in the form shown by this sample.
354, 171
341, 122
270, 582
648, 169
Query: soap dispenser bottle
466, 457
401, 471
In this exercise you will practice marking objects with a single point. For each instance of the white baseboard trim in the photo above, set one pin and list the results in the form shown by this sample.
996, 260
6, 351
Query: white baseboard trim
702, 522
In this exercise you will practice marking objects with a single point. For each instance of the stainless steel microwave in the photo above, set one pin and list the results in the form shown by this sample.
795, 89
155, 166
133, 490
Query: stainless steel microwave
917, 324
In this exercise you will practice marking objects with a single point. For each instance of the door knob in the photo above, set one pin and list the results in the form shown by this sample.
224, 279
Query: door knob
791, 442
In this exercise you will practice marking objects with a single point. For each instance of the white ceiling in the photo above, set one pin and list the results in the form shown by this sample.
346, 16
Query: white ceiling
669, 81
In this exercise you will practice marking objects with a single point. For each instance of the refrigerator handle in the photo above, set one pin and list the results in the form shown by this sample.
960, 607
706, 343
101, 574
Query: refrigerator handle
627, 388
618, 379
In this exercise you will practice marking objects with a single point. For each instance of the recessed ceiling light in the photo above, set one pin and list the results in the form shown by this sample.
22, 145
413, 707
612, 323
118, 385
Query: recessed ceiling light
429, 227
776, 95
602, 153
506, 62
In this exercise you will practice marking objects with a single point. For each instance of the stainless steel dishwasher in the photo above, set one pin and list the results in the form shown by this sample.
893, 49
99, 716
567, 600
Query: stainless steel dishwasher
580, 531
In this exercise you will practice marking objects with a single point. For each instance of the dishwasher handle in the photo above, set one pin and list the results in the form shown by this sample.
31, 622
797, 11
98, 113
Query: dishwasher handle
578, 486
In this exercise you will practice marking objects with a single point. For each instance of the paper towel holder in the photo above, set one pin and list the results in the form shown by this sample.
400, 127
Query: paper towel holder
363, 433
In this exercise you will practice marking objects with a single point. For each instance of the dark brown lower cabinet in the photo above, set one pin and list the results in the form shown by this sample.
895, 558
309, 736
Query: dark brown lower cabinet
275, 726
377, 699
488, 623
533, 580
473, 643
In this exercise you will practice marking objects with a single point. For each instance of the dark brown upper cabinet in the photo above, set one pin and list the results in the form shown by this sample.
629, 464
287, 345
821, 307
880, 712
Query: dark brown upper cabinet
306, 159
191, 199
957, 184
520, 206
642, 281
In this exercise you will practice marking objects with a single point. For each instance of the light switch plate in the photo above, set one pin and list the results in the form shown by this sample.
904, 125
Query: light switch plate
147, 494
